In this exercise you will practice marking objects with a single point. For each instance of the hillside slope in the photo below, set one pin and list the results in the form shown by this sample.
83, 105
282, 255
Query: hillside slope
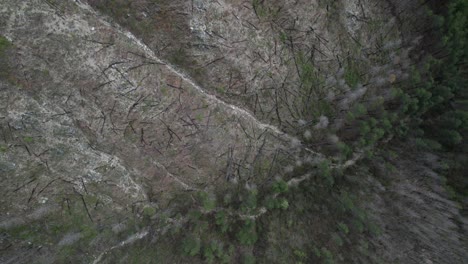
157, 131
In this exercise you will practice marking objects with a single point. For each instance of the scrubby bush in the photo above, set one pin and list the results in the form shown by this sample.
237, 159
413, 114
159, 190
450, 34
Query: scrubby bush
208, 201
247, 234
222, 221
280, 187
191, 245
5, 45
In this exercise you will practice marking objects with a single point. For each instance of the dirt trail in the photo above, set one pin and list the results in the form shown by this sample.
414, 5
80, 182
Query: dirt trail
235, 109
129, 240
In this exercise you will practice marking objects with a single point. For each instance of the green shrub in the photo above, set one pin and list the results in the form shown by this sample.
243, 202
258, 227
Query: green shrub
352, 76
195, 215
247, 235
343, 228
191, 246
3, 149
283, 37
214, 252
359, 110
347, 202
364, 128
337, 240
327, 256
149, 211
208, 201
221, 221
5, 44
326, 172
270, 203
28, 139
300, 254
248, 259
259, 8
277, 203
428, 144
250, 201
283, 204
280, 187
345, 150
449, 138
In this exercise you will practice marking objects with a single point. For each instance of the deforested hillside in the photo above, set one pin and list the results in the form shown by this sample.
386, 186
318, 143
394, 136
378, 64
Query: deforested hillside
226, 131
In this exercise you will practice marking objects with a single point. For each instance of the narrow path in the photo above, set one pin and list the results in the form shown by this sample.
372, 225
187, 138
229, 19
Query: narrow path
129, 240
235, 109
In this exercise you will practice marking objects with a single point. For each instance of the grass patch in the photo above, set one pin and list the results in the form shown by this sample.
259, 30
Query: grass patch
5, 46
352, 75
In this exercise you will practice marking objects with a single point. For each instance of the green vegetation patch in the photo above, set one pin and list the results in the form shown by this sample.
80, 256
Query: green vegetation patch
5, 46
